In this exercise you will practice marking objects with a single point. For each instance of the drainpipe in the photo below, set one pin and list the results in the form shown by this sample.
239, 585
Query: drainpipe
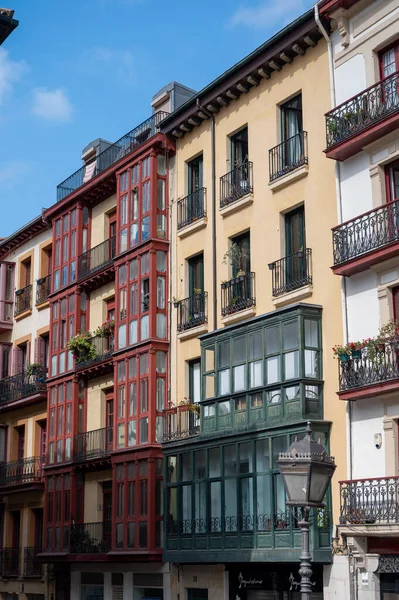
214, 273
352, 571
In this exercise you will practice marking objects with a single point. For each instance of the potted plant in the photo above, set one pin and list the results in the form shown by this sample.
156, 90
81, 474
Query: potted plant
106, 329
34, 369
354, 349
237, 256
81, 347
341, 352
175, 301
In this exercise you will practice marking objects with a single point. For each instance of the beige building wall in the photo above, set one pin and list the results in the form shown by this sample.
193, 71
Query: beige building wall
100, 220
93, 495
264, 217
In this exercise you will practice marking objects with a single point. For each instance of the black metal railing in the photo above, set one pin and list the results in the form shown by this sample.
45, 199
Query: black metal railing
381, 366
238, 294
192, 311
9, 565
372, 230
32, 565
288, 156
99, 349
181, 434
96, 258
93, 444
43, 289
90, 538
113, 153
23, 300
191, 208
369, 501
291, 272
24, 470
373, 104
22, 385
236, 184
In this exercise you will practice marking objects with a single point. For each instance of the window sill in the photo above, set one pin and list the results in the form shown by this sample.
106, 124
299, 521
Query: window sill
194, 226
237, 205
193, 332
22, 315
43, 305
239, 315
289, 178
294, 296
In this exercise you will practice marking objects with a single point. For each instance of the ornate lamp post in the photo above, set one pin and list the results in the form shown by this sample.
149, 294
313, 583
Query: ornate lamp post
307, 470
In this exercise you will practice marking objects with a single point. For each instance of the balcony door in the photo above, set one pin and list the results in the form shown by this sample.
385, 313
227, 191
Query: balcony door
239, 147
107, 511
196, 287
295, 243
195, 174
291, 128
16, 528
109, 418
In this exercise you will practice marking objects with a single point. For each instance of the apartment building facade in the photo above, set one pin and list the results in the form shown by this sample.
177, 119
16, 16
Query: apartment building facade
108, 366
255, 313
25, 259
362, 139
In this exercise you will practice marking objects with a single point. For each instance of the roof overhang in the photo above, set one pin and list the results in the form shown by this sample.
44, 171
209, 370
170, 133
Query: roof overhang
7, 23
25, 233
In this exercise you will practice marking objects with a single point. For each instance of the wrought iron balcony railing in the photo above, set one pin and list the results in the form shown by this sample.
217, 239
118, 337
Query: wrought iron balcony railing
373, 104
181, 421
32, 565
192, 311
9, 562
93, 444
367, 232
23, 300
90, 538
43, 289
288, 156
191, 208
369, 501
291, 272
112, 154
22, 385
25, 470
363, 371
96, 258
236, 184
99, 349
238, 294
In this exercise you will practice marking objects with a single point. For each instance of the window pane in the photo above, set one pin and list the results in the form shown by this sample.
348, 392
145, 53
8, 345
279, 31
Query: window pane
273, 369
161, 325
209, 359
215, 505
246, 458
199, 464
224, 354
255, 345
131, 432
239, 350
255, 374
122, 336
262, 455
230, 460
311, 333
279, 444
290, 335
311, 363
209, 386
273, 340
214, 462
144, 327
291, 364
230, 509
263, 501
224, 408
161, 261
240, 379
247, 502
132, 332
186, 473
224, 382
144, 430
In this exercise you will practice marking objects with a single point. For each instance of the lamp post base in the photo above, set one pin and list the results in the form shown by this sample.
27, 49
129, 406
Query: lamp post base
305, 569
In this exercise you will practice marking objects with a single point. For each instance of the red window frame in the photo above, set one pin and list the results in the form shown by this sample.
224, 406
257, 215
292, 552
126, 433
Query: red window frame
395, 47
58, 511
66, 248
60, 422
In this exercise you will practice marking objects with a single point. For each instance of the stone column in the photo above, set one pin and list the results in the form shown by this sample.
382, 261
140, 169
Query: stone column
128, 586
107, 585
75, 584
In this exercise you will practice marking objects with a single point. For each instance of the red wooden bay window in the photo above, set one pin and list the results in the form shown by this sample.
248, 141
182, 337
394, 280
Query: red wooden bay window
60, 420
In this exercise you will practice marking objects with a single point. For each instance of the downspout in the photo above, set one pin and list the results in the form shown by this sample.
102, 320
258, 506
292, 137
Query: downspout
352, 574
213, 201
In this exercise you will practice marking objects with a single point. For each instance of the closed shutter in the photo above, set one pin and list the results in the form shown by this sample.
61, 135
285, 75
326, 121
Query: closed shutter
28, 357
17, 360
36, 351
395, 302
40, 352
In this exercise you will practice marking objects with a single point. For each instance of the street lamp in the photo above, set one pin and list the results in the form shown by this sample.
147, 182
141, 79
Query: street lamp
307, 470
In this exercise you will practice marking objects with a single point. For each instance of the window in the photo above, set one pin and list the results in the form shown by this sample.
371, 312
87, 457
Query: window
295, 245
291, 118
389, 60
195, 174
65, 236
392, 181
239, 148
60, 423
240, 259
65, 322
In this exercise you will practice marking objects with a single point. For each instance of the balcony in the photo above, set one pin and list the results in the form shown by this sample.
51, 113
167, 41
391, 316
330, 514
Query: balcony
96, 358
192, 312
90, 538
9, 565
93, 445
291, 272
26, 471
236, 188
181, 422
366, 377
126, 144
238, 294
362, 119
94, 265
32, 565
366, 240
43, 289
23, 300
370, 502
191, 212
23, 388
288, 156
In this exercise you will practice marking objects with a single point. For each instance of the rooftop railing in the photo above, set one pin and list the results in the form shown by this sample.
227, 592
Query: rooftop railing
126, 144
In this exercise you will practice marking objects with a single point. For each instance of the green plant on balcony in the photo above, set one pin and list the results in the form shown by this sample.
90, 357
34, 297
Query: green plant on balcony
106, 329
34, 369
237, 256
82, 348
347, 351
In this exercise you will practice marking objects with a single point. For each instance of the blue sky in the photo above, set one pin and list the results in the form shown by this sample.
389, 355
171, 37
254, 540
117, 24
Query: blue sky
77, 70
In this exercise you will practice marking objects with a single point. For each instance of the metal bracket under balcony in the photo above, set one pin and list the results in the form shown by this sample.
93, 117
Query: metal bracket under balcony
192, 312
238, 294
363, 118
95, 445
288, 156
23, 472
95, 267
97, 359
23, 388
23, 300
291, 272
191, 209
236, 184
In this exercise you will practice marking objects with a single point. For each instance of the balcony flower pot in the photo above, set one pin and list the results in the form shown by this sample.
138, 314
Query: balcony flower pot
344, 357
355, 353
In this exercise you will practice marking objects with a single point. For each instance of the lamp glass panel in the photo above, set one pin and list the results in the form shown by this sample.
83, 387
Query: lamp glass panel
319, 479
296, 483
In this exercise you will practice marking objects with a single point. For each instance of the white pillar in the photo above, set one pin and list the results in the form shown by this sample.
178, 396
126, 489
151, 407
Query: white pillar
128, 586
75, 585
107, 585
166, 587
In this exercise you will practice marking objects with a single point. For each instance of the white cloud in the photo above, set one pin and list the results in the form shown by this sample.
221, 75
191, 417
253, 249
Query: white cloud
52, 105
11, 172
268, 14
110, 63
10, 72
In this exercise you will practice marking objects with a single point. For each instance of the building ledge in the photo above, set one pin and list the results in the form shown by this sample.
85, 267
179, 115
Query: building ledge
366, 261
294, 296
22, 315
239, 315
192, 227
193, 332
370, 391
237, 205
43, 305
289, 178
372, 529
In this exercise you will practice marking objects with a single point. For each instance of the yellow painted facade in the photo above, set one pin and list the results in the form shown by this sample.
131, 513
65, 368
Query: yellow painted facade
263, 215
